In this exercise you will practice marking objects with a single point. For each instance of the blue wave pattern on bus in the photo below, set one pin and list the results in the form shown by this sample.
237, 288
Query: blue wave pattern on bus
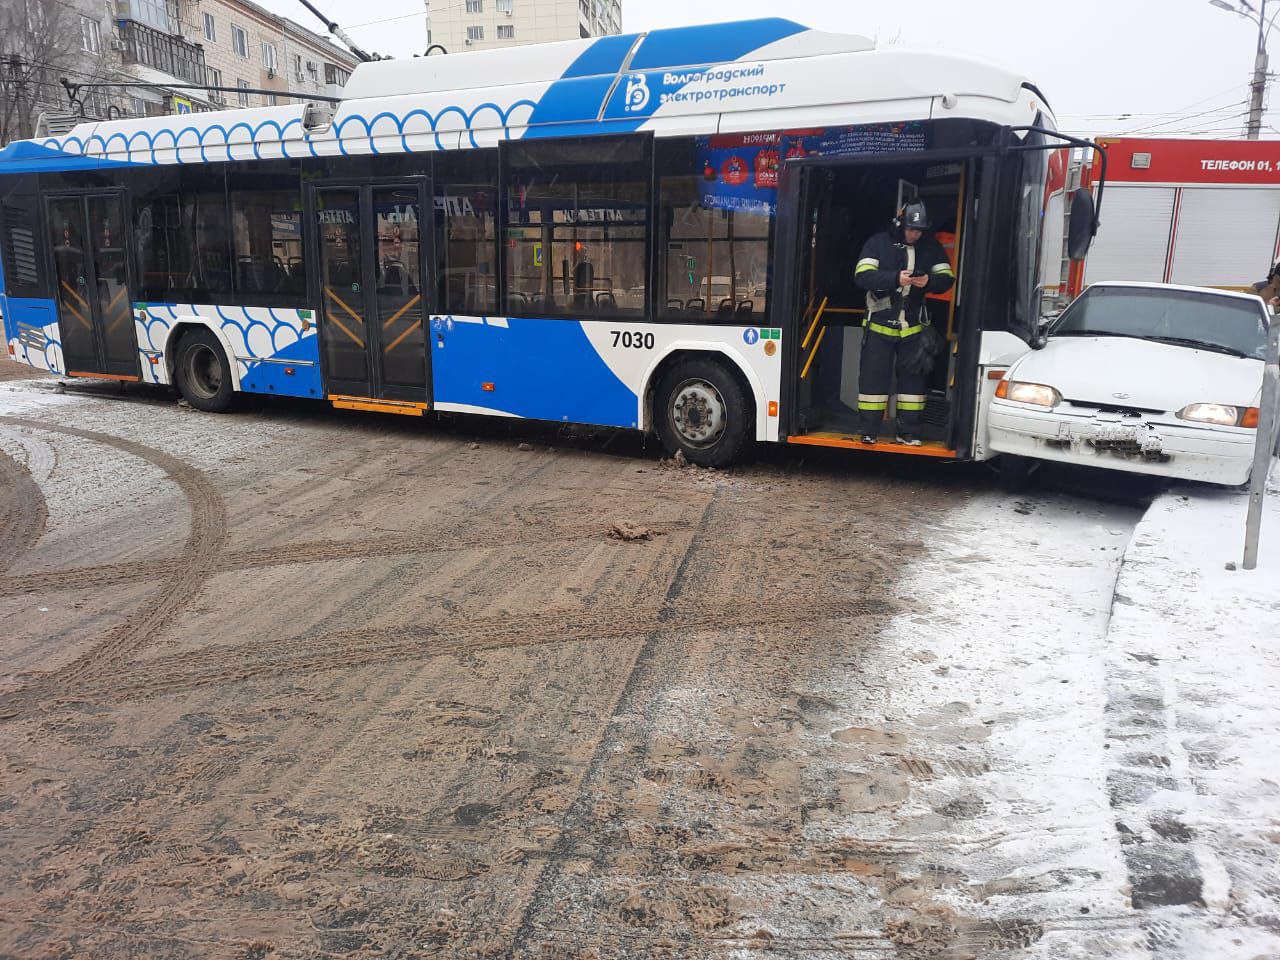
27, 319
579, 102
255, 334
540, 369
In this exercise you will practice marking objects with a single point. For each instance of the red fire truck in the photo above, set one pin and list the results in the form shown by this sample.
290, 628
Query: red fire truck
1198, 212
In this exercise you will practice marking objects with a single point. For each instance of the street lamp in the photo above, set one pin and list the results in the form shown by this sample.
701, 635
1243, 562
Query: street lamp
1259, 86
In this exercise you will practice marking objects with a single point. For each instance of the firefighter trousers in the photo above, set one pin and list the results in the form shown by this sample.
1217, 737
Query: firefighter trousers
882, 357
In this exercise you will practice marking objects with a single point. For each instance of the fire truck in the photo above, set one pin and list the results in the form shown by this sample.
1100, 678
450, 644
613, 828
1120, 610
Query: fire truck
1204, 213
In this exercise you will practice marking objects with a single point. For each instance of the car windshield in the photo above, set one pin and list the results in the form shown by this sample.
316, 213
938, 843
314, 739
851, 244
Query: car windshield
1185, 317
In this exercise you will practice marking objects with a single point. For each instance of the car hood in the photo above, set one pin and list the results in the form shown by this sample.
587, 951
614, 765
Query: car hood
1158, 376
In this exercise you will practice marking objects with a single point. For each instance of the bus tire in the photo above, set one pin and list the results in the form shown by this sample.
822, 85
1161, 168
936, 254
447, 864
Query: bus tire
701, 410
1015, 473
202, 373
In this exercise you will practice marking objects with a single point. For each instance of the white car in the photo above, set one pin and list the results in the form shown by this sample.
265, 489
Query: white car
1145, 377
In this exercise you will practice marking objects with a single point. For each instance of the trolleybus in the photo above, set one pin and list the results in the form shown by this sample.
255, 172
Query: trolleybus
653, 231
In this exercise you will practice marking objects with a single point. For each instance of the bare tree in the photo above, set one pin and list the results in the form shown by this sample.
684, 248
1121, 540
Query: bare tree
42, 41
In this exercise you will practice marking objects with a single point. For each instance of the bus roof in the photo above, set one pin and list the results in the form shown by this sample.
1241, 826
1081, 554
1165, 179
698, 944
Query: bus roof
738, 77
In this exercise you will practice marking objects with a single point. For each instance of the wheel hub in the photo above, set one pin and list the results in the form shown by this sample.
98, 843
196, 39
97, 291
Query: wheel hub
205, 370
698, 413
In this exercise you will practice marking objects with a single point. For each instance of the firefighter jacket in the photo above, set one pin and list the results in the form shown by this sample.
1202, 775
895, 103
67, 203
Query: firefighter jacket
899, 311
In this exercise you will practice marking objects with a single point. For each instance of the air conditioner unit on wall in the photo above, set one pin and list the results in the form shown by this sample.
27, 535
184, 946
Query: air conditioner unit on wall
118, 45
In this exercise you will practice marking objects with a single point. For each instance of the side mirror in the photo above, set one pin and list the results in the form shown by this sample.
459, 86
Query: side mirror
1041, 339
1084, 225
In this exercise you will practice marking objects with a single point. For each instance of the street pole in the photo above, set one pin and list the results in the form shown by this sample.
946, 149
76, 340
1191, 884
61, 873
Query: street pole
1259, 77
1264, 444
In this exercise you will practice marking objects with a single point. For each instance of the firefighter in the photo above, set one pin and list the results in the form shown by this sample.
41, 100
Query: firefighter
897, 269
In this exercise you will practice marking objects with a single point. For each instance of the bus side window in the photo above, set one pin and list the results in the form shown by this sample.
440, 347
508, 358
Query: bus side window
182, 236
466, 206
713, 248
576, 228
266, 234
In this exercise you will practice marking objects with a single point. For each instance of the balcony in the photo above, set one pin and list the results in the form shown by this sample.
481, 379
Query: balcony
162, 51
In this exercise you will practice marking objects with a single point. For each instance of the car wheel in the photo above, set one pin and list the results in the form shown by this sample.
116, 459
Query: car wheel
701, 411
202, 373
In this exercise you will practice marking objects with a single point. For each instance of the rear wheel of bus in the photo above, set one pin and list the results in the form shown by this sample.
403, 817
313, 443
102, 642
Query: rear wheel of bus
701, 410
202, 373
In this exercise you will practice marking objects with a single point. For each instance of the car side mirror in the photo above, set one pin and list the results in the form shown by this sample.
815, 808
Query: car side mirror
1084, 225
1041, 339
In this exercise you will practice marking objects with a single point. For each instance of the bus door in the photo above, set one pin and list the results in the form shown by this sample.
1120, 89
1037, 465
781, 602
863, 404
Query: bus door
91, 273
373, 296
828, 209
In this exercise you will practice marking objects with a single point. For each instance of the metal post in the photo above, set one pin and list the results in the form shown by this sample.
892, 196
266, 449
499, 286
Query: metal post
1264, 444
1259, 77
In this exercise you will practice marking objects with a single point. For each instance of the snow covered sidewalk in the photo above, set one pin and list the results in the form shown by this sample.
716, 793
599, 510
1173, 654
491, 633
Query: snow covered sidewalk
1193, 710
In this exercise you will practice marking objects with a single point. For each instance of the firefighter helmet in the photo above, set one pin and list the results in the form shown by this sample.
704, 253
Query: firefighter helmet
914, 216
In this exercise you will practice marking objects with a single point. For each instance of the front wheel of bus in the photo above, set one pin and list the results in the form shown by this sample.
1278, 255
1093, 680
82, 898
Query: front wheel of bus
202, 373
702, 411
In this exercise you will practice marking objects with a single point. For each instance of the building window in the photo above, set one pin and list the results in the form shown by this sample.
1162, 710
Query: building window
240, 41
244, 97
153, 13
475, 33
504, 6
334, 75
210, 30
466, 205
713, 251
577, 218
90, 36
475, 6
506, 31
215, 80
297, 66
269, 57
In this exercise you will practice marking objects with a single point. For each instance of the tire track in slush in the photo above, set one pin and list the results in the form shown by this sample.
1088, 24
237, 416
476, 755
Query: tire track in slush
206, 537
23, 512
446, 540
577, 812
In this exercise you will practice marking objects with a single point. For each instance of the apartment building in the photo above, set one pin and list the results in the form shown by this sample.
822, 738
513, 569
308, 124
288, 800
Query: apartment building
459, 25
247, 46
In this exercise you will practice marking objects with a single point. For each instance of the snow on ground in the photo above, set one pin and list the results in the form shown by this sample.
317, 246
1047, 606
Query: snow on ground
1125, 801
1194, 678
1006, 632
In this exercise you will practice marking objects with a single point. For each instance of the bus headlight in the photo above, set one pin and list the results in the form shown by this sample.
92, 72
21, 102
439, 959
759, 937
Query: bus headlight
1221, 414
1039, 394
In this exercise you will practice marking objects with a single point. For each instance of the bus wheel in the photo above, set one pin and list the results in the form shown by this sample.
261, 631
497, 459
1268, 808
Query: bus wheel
202, 373
1015, 473
701, 411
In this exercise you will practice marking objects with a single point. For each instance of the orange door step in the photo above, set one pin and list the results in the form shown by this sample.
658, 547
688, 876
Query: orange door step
104, 376
930, 448
378, 406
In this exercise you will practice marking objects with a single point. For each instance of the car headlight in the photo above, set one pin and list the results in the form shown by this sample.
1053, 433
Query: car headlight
1222, 414
1020, 392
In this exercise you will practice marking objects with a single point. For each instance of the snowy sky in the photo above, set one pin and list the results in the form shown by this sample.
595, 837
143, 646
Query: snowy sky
1175, 66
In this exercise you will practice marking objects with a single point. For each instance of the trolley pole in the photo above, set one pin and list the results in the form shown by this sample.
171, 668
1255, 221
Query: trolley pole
1264, 444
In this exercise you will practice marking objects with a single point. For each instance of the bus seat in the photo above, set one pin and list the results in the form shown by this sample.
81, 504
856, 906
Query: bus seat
745, 309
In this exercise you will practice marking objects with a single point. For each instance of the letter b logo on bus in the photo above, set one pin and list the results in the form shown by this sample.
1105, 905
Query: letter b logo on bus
637, 92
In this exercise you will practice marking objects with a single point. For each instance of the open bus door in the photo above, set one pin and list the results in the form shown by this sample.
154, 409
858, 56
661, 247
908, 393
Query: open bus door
828, 208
